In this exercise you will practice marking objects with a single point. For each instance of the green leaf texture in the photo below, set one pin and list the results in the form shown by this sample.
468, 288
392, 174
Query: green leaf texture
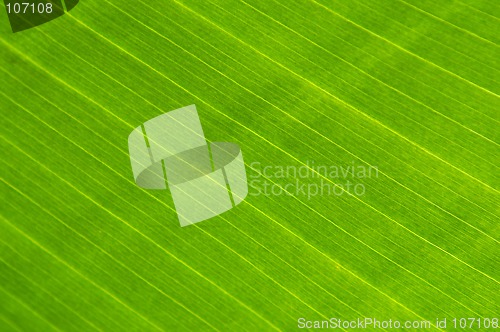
408, 86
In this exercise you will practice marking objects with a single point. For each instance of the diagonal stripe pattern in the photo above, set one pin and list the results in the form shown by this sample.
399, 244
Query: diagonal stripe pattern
204, 179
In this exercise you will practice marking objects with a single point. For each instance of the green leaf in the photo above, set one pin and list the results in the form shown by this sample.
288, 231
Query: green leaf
379, 118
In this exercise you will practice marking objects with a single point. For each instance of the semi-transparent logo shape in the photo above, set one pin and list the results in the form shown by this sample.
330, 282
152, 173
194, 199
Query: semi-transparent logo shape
205, 180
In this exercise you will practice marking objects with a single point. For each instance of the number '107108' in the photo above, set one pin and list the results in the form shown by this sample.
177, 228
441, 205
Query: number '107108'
29, 8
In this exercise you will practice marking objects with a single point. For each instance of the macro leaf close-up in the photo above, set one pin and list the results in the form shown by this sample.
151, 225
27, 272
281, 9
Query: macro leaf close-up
249, 165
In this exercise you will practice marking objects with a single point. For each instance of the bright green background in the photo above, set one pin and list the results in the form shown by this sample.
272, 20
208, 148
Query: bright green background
411, 87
